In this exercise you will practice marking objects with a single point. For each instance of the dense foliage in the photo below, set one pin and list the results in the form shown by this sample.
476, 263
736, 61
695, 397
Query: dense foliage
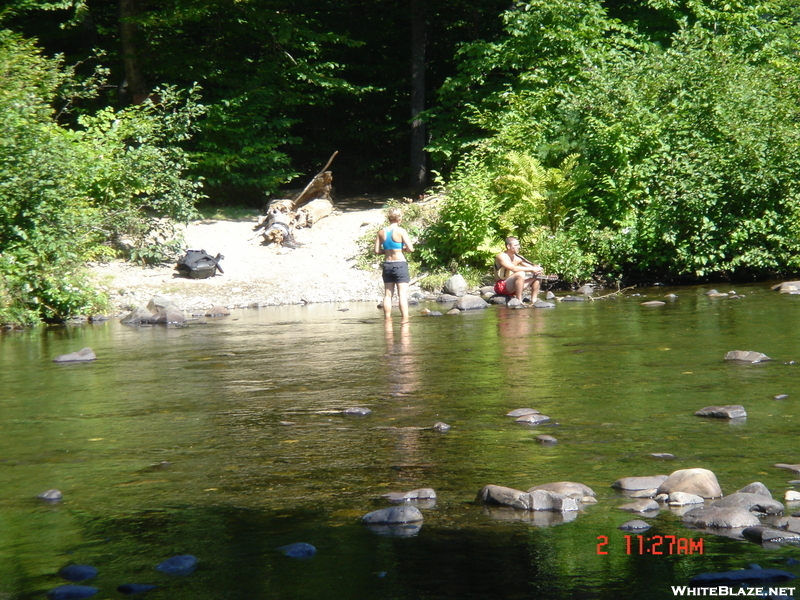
683, 160
616, 138
72, 195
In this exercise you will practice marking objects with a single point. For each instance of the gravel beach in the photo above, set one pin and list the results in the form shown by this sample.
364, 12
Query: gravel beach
321, 270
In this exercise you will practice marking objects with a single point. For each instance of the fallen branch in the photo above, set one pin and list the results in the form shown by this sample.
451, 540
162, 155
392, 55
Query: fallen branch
617, 293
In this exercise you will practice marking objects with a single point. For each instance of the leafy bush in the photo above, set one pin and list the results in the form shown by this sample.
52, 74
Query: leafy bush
67, 194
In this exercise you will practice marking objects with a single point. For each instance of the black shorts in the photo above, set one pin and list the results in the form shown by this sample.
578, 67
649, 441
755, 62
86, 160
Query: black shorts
395, 271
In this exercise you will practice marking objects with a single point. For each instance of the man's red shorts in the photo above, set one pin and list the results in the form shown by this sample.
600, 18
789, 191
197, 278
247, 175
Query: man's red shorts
500, 288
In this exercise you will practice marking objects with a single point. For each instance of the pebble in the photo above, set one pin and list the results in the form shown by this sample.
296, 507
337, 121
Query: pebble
298, 550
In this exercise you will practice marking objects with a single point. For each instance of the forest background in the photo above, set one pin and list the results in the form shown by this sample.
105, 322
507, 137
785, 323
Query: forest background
618, 139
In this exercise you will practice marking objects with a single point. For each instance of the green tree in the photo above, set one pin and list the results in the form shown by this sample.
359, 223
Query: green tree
66, 195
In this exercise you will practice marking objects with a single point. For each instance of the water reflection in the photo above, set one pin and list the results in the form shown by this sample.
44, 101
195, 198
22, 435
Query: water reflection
247, 414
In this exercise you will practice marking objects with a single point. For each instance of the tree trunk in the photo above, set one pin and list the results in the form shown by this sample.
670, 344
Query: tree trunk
136, 89
419, 167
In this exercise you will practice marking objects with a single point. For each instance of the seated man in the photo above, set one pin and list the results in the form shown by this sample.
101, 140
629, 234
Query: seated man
511, 272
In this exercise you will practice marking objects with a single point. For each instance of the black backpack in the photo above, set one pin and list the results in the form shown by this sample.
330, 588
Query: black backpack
199, 264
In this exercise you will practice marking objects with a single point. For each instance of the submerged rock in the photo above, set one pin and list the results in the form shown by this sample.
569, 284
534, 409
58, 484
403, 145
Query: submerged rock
751, 575
639, 483
82, 355
72, 592
533, 419
298, 550
747, 356
357, 411
635, 525
641, 506
730, 411
767, 535
441, 427
720, 518
135, 588
521, 412
547, 440
50, 496
543, 304
418, 494
578, 491
394, 515
77, 573
183, 564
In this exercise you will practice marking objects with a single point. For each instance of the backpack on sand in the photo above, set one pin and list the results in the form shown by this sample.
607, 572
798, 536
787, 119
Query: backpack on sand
199, 264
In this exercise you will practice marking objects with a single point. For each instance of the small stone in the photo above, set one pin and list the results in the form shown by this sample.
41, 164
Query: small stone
662, 455
72, 592
792, 496
441, 427
298, 550
653, 303
77, 573
82, 355
130, 589
635, 525
730, 411
534, 419
781, 397
641, 506
50, 496
183, 564
747, 356
396, 514
357, 411
521, 412
547, 440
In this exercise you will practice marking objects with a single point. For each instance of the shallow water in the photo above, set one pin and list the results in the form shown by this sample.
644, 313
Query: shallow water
223, 440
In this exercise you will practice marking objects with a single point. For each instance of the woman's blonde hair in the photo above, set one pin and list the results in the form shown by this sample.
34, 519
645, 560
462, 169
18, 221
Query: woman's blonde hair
394, 215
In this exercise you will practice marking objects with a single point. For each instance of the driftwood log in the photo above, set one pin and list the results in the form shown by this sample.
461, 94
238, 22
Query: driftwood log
284, 215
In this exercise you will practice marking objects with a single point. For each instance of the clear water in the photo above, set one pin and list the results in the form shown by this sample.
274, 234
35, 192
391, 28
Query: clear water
222, 440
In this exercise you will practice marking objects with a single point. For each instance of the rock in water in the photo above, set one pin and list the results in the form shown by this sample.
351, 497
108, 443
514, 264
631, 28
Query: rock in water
396, 514
747, 356
72, 592
183, 564
77, 573
298, 550
50, 496
135, 588
82, 355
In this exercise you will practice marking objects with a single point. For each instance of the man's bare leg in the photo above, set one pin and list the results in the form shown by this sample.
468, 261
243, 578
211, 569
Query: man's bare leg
535, 285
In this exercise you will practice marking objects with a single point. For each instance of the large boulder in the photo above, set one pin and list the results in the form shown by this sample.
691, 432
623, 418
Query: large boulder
639, 483
138, 315
571, 489
767, 535
756, 488
701, 482
455, 286
535, 500
470, 303
754, 503
713, 517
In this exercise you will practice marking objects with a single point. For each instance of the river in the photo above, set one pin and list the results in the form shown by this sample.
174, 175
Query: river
225, 440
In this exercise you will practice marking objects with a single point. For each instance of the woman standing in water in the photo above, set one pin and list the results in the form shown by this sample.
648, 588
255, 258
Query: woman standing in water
391, 241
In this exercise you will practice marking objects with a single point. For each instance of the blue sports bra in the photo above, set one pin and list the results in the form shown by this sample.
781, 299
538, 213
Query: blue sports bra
389, 243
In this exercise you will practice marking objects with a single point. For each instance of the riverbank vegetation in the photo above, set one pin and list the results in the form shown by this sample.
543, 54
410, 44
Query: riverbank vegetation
618, 139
